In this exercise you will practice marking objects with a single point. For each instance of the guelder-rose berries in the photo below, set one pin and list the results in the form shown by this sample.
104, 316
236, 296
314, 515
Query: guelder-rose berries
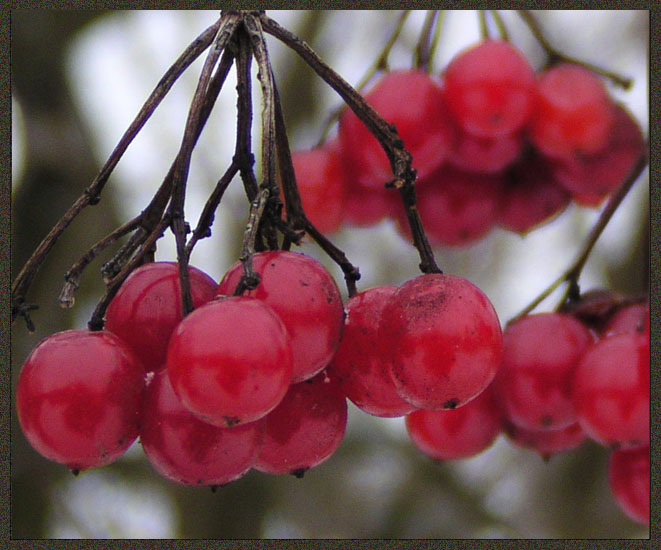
79, 396
358, 364
305, 428
230, 361
442, 340
413, 102
184, 449
611, 390
305, 297
546, 442
490, 89
458, 433
573, 113
629, 478
535, 381
147, 307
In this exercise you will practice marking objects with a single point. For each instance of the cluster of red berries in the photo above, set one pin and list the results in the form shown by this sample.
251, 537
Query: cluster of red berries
493, 143
559, 382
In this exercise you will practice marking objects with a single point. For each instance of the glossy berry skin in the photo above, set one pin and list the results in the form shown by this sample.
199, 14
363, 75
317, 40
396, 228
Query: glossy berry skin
320, 181
534, 384
459, 433
591, 178
147, 307
546, 442
305, 429
305, 296
531, 197
187, 450
442, 340
413, 102
230, 361
456, 208
78, 398
358, 364
490, 89
611, 390
573, 113
632, 318
629, 478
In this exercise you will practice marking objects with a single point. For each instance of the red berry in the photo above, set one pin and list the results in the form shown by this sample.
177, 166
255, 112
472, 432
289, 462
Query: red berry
78, 398
305, 296
413, 102
365, 207
442, 340
357, 363
147, 307
590, 178
320, 180
485, 155
540, 355
546, 442
629, 478
531, 197
184, 449
573, 113
230, 361
633, 318
460, 433
305, 428
611, 390
490, 89
456, 208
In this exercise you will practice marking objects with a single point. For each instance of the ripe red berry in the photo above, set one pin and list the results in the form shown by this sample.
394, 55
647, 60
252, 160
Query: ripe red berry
460, 433
305, 296
629, 478
413, 102
366, 207
456, 208
573, 114
546, 442
442, 340
78, 398
590, 178
147, 307
485, 155
230, 361
320, 180
534, 383
632, 318
358, 364
531, 196
490, 89
184, 449
611, 390
305, 428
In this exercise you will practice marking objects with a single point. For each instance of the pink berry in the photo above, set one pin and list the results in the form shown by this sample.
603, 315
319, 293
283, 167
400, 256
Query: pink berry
442, 340
573, 113
366, 207
147, 307
546, 442
78, 398
305, 296
458, 433
632, 318
629, 478
358, 365
490, 89
186, 450
413, 102
485, 155
611, 390
305, 429
534, 383
230, 361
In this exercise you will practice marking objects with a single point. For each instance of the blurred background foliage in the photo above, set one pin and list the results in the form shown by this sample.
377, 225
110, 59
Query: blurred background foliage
79, 77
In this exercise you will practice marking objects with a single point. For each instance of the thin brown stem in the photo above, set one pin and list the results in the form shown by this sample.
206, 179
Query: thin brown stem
555, 56
573, 272
422, 55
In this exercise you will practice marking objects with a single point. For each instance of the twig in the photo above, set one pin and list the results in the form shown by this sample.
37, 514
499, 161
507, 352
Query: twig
502, 29
423, 51
556, 56
573, 272
26, 276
